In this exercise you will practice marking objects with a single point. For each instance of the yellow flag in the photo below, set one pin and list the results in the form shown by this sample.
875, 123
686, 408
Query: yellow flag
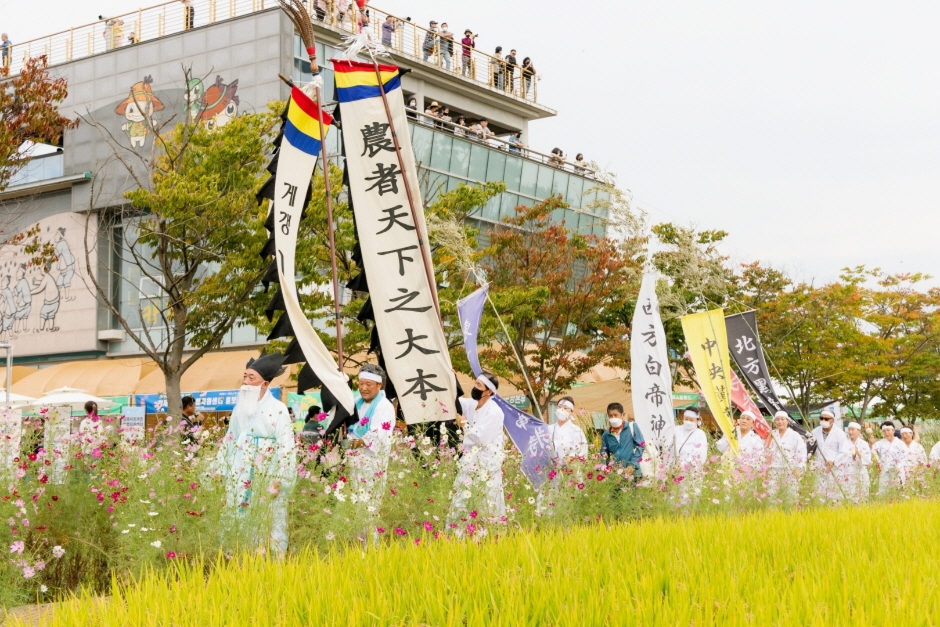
707, 339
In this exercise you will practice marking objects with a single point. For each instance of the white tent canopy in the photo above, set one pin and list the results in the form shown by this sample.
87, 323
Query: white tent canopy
14, 398
68, 397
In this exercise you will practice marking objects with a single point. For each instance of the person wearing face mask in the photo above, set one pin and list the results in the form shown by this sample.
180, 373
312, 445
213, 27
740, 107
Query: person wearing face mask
622, 443
855, 462
691, 442
370, 441
831, 444
889, 454
257, 457
567, 437
786, 452
480, 469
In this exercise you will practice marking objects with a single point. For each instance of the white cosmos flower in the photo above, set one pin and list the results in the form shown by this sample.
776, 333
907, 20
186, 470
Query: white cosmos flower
156, 544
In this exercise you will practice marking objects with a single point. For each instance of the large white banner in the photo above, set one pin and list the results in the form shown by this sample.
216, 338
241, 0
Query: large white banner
410, 333
296, 163
650, 379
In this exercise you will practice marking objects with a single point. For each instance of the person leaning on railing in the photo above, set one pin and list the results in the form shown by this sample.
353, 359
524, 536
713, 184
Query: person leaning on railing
528, 73
5, 46
468, 43
497, 68
430, 39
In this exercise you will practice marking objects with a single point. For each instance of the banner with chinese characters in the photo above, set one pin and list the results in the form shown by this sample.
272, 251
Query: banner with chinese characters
707, 339
289, 192
744, 343
650, 377
383, 186
529, 434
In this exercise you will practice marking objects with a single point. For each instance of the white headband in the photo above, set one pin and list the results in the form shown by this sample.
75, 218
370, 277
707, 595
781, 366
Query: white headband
855, 425
907, 430
485, 381
887, 426
748, 414
825, 413
370, 376
781, 414
690, 414
566, 404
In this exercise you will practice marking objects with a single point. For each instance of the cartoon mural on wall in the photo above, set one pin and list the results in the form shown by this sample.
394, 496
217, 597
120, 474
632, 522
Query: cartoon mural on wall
219, 104
138, 108
47, 307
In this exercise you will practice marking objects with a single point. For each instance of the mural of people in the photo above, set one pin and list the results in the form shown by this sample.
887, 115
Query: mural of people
24, 301
7, 308
65, 261
219, 104
46, 286
138, 108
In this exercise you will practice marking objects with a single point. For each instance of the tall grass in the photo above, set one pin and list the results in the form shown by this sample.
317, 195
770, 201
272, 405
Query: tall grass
867, 565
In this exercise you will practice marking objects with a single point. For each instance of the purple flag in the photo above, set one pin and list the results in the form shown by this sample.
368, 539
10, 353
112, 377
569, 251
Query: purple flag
528, 433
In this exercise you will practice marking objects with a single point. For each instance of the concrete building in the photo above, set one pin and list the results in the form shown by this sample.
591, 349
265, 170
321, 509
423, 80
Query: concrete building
234, 52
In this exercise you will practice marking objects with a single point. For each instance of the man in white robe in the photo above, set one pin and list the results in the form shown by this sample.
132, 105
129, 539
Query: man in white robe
750, 445
786, 457
889, 453
370, 441
480, 469
854, 464
257, 459
691, 442
567, 437
916, 458
831, 445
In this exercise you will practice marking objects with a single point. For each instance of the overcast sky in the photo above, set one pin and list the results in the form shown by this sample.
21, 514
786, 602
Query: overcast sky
808, 130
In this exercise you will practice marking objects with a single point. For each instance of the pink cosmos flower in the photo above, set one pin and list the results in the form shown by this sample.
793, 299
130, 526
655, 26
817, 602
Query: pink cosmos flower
380, 529
28, 572
17, 547
170, 555
400, 531
364, 422
386, 426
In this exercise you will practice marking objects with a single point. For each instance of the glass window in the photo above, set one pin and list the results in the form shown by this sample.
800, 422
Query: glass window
560, 184
543, 188
491, 208
478, 158
530, 173
496, 166
561, 214
452, 183
600, 228
575, 187
440, 153
460, 157
421, 139
513, 173
509, 204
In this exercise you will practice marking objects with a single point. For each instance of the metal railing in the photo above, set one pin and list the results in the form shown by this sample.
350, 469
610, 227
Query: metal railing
406, 38
499, 143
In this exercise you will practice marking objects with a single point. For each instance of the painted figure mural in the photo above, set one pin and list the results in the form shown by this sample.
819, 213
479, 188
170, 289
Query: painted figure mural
138, 108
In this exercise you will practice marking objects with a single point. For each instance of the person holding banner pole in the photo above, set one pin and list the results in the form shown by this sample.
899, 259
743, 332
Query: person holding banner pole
480, 468
750, 445
787, 459
831, 445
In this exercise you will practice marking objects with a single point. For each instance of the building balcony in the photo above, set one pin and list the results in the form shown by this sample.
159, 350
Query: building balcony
40, 168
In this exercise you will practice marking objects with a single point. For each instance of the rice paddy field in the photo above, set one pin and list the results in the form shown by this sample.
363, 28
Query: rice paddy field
867, 565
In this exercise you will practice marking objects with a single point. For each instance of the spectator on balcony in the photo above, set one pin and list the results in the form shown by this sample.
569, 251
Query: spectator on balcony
430, 40
468, 43
189, 14
515, 143
510, 69
447, 45
580, 165
528, 73
411, 108
5, 46
475, 131
445, 118
389, 26
557, 159
485, 133
496, 69
319, 9
460, 130
433, 111
132, 38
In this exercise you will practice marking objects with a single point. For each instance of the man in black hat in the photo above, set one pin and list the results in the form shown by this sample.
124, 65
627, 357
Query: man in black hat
258, 457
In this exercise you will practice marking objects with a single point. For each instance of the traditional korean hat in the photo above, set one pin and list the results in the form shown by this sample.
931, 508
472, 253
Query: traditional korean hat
268, 366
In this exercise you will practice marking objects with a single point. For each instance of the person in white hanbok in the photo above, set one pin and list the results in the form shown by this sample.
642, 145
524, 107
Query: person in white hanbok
831, 445
786, 459
480, 469
750, 445
567, 437
257, 460
915, 461
689, 456
889, 453
935, 454
854, 464
370, 441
